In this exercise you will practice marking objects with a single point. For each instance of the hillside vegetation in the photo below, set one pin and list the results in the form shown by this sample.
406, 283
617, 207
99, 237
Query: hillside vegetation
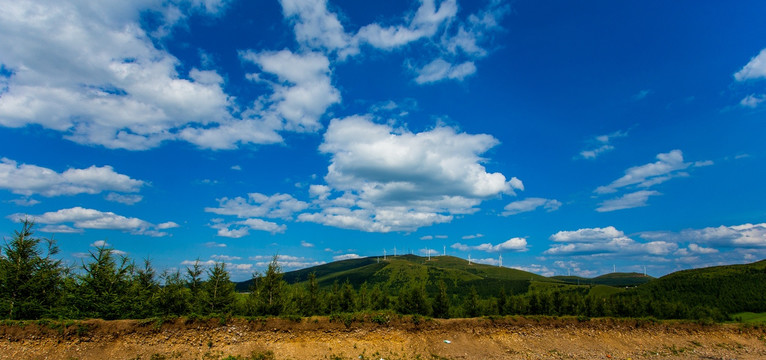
35, 285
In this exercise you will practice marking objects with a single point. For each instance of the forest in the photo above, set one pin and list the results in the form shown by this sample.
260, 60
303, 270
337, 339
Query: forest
34, 284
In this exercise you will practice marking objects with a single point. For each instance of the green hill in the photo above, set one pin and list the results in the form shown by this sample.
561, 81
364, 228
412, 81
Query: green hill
729, 288
611, 279
395, 272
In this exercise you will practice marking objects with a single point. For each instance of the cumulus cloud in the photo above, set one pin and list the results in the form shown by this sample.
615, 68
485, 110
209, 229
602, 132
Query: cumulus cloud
259, 205
754, 69
513, 244
91, 72
302, 91
26, 179
396, 180
531, 204
743, 236
306, 244
605, 241
82, 218
627, 201
535, 268
461, 41
440, 69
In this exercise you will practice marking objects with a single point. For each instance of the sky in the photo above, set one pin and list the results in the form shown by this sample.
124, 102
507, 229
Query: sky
561, 137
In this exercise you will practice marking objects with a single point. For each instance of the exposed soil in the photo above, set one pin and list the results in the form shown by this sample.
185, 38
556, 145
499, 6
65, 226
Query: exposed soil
398, 338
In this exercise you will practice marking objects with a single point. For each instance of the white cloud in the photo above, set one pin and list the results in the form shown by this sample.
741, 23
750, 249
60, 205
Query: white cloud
426, 22
236, 167
346, 257
736, 236
167, 225
314, 25
306, 244
601, 144
124, 199
25, 179
440, 69
587, 235
82, 218
213, 244
24, 202
60, 229
259, 205
513, 244
472, 236
531, 204
535, 268
427, 237
627, 201
605, 241
667, 166
754, 69
90, 71
242, 228
100, 243
225, 257
302, 91
396, 180
752, 101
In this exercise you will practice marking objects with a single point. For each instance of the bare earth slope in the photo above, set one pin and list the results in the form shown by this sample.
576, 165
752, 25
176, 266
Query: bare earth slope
508, 338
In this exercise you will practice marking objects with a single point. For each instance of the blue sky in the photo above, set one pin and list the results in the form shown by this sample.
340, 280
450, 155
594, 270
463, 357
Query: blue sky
566, 137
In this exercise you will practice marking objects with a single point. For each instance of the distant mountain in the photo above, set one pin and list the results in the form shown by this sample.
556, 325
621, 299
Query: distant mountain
397, 271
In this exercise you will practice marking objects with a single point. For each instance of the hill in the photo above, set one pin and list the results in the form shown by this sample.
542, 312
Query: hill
729, 288
611, 279
394, 272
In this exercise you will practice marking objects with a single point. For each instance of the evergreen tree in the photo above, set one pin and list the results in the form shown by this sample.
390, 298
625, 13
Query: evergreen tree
471, 305
441, 301
143, 292
30, 283
194, 282
218, 291
378, 299
271, 289
347, 301
103, 287
413, 300
173, 296
502, 302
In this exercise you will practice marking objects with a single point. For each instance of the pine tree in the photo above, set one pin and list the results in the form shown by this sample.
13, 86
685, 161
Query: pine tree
103, 287
173, 296
30, 283
219, 291
441, 302
194, 282
143, 291
471, 305
271, 290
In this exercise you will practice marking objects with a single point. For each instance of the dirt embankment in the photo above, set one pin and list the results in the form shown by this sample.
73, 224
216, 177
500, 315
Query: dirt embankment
321, 338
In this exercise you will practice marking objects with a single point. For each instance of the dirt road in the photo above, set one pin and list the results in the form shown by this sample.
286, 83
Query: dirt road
395, 338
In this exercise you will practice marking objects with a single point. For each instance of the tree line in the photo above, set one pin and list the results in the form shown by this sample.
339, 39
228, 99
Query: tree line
34, 285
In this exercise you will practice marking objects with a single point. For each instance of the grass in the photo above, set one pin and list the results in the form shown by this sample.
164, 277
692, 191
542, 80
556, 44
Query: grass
749, 317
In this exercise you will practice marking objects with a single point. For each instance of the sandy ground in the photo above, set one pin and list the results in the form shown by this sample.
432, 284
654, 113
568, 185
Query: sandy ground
399, 338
